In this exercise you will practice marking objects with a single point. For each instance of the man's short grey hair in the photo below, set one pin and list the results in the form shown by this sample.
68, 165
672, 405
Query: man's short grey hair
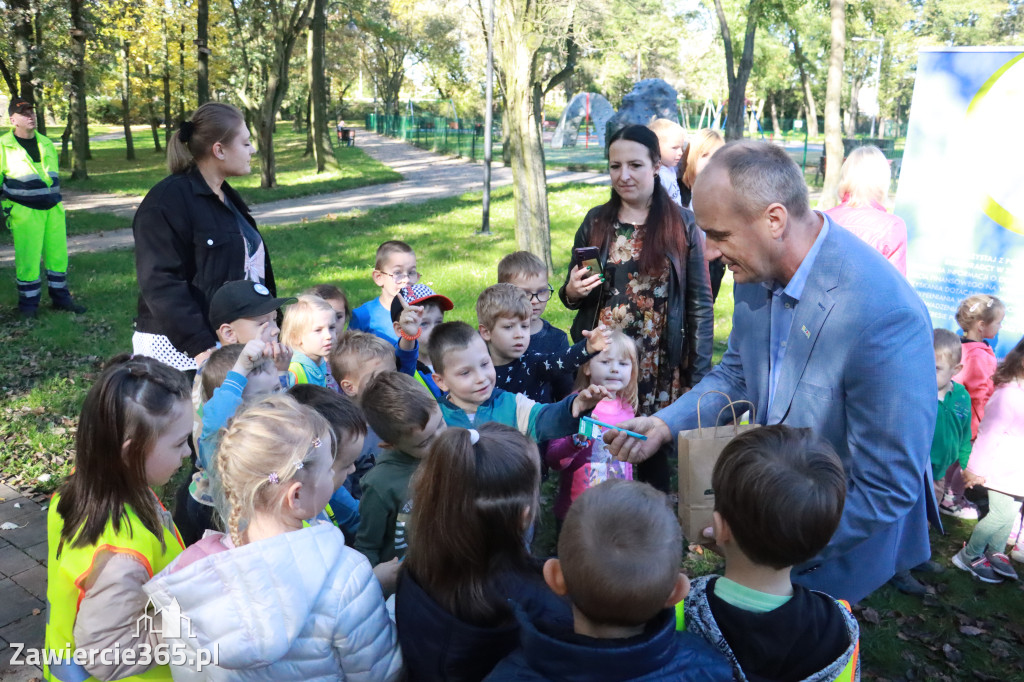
762, 174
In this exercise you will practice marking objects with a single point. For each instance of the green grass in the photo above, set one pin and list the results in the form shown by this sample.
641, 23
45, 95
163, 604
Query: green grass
110, 172
47, 365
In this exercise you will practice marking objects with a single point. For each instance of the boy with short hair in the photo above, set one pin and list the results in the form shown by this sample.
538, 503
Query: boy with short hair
407, 420
434, 306
618, 563
768, 627
357, 358
672, 140
503, 315
464, 371
394, 268
526, 271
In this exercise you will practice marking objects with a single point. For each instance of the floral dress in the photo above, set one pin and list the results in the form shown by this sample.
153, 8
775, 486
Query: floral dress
637, 304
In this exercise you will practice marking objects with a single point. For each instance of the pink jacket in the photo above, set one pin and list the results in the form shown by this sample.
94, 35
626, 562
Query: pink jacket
885, 232
979, 361
998, 454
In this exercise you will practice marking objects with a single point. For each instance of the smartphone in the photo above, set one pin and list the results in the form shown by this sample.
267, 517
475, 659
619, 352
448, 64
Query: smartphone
587, 256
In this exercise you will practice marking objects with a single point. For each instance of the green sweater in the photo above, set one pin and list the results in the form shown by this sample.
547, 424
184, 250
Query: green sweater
952, 440
385, 506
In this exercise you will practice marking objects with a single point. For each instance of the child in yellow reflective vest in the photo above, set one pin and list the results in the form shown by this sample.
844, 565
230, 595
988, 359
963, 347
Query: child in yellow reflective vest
108, 532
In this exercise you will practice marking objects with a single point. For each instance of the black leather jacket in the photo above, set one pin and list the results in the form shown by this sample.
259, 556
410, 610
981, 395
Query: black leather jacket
690, 327
187, 245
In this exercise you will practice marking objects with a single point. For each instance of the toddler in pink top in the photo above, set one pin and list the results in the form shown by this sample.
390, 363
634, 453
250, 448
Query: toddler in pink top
585, 462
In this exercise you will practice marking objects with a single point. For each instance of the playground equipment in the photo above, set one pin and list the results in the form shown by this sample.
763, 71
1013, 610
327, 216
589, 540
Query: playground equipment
585, 107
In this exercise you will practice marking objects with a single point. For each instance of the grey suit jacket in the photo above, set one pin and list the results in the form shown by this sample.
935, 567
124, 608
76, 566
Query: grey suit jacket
859, 370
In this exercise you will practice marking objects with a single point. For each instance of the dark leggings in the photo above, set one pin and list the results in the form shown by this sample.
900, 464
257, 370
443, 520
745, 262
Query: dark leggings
656, 470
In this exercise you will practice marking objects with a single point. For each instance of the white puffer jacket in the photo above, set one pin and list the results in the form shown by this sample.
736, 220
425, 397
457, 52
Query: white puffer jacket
297, 606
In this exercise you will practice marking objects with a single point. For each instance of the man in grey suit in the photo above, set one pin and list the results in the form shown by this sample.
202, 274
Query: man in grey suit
826, 334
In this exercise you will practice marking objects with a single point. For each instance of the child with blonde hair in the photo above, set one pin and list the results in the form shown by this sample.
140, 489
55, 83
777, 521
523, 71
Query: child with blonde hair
583, 459
107, 531
238, 589
980, 316
310, 329
672, 140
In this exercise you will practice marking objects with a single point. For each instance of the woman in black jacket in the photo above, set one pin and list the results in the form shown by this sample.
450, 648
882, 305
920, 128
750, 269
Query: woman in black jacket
193, 233
653, 282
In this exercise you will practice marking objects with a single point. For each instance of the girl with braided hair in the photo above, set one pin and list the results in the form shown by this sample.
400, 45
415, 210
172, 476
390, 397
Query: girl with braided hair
108, 532
278, 596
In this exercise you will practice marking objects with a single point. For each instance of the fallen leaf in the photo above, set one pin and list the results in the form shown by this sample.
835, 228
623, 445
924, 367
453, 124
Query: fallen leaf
970, 630
10, 526
952, 655
36, 612
871, 616
17, 505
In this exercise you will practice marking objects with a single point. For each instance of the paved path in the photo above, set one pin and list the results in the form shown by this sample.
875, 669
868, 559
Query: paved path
426, 176
22, 581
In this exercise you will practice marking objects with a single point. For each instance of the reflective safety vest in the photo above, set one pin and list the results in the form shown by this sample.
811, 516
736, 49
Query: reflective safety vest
850, 673
25, 182
66, 575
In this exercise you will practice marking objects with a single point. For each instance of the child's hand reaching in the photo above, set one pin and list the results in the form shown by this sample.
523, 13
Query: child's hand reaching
598, 338
408, 324
280, 353
387, 576
588, 398
250, 358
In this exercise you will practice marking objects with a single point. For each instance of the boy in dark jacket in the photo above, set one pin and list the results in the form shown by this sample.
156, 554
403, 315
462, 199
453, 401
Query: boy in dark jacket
619, 565
779, 495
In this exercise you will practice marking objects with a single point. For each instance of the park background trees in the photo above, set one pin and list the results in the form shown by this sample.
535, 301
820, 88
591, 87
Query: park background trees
151, 62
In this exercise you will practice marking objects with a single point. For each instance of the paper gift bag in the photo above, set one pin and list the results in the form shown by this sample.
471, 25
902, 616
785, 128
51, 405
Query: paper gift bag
698, 451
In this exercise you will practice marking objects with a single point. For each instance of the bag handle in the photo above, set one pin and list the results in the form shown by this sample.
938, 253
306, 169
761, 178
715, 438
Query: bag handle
730, 406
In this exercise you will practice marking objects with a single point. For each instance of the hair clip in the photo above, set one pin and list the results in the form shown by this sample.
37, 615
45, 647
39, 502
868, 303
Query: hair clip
991, 300
474, 436
316, 443
273, 478
299, 465
973, 307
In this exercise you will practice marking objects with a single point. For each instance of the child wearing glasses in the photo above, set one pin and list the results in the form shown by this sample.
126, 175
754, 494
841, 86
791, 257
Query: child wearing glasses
394, 269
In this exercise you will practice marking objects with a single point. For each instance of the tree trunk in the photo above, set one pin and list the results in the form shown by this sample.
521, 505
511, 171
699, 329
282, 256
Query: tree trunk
9, 78
203, 53
737, 78
308, 151
65, 141
154, 121
182, 114
77, 114
529, 182
37, 23
317, 67
833, 94
126, 97
853, 111
23, 35
805, 81
776, 128
168, 126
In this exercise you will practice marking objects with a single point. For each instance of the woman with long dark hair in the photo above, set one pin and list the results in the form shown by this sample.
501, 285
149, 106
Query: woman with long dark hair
653, 283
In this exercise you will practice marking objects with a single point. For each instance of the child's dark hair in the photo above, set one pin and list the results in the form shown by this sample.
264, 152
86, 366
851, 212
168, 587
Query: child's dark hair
620, 549
781, 490
468, 526
388, 248
395, 404
344, 416
449, 336
1012, 367
217, 366
125, 411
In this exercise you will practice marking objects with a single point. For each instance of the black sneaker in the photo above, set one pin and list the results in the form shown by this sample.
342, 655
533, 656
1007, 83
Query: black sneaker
979, 567
1000, 563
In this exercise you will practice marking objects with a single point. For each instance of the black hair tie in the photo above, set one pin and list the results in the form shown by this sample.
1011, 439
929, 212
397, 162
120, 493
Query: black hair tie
185, 131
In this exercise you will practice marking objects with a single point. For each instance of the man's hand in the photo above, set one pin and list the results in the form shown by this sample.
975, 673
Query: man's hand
250, 358
588, 398
598, 339
626, 448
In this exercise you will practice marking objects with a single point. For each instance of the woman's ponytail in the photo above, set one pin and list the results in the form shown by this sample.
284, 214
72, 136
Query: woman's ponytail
211, 123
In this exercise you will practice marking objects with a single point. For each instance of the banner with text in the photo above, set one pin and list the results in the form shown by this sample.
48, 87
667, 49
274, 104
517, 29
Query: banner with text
961, 188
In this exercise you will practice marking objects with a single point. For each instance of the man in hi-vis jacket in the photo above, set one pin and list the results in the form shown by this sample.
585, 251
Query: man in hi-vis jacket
31, 201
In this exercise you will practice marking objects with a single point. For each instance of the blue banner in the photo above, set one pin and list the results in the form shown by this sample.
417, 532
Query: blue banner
961, 188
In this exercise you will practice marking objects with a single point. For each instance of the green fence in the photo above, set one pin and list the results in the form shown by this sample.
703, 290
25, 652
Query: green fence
460, 137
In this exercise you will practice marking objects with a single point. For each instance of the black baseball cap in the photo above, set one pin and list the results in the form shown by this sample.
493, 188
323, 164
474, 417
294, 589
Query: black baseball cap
19, 105
240, 299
